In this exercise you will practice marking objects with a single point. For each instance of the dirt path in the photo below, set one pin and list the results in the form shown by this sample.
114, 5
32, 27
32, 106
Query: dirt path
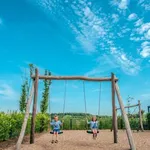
80, 140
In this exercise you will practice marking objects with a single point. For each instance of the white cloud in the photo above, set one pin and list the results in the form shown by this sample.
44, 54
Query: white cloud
90, 25
143, 28
104, 65
142, 32
93, 72
139, 22
115, 18
118, 60
93, 29
121, 4
145, 43
8, 93
135, 39
147, 34
132, 16
124, 30
145, 4
129, 65
145, 46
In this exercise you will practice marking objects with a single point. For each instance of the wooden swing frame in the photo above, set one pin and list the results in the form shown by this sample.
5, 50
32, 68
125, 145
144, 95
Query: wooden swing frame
114, 87
140, 114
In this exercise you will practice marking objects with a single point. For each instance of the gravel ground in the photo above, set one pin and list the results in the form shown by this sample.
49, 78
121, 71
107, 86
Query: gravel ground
80, 140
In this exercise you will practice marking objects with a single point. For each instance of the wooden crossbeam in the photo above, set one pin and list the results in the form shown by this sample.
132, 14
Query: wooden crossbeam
73, 78
129, 106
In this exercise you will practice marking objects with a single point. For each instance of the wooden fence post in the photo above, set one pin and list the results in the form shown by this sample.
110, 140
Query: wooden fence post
114, 120
140, 117
34, 107
127, 125
20, 139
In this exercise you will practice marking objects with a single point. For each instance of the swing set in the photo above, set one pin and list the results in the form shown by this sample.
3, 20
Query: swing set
115, 90
84, 93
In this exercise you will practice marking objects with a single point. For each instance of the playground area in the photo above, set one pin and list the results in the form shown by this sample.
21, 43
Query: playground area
80, 140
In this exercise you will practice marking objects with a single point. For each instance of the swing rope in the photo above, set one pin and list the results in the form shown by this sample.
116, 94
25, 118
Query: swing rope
49, 103
99, 99
64, 102
64, 97
84, 100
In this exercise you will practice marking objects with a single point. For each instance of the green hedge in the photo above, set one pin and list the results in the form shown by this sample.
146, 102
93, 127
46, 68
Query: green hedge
148, 120
10, 124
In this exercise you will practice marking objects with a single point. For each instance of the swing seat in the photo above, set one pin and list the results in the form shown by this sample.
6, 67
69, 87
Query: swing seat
91, 132
60, 132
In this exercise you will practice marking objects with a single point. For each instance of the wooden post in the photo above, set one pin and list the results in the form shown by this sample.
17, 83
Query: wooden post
20, 139
114, 121
34, 107
140, 117
127, 125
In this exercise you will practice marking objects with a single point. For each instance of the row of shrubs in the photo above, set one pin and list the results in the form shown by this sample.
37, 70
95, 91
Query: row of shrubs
10, 123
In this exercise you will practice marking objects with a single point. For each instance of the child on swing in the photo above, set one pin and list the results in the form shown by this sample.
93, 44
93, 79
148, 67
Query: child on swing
56, 128
93, 126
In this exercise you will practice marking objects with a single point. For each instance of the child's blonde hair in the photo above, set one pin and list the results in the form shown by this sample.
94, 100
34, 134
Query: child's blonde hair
94, 117
55, 116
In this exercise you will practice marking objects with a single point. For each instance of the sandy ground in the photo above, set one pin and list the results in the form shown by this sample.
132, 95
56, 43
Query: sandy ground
80, 140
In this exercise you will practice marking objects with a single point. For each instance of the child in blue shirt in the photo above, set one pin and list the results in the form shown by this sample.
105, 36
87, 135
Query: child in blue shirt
94, 126
56, 128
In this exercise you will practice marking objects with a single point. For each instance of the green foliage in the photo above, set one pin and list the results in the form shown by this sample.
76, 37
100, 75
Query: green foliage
121, 124
66, 122
45, 94
105, 123
42, 122
32, 68
148, 120
23, 97
11, 123
4, 126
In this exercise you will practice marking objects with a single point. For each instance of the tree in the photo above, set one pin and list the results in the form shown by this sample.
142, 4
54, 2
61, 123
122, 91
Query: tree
23, 97
25, 89
45, 94
32, 68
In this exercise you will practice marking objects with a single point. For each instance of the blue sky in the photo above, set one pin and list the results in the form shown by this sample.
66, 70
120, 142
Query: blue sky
76, 37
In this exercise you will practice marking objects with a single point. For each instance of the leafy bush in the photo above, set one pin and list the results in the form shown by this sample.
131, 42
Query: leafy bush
148, 120
11, 123
42, 122
4, 126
